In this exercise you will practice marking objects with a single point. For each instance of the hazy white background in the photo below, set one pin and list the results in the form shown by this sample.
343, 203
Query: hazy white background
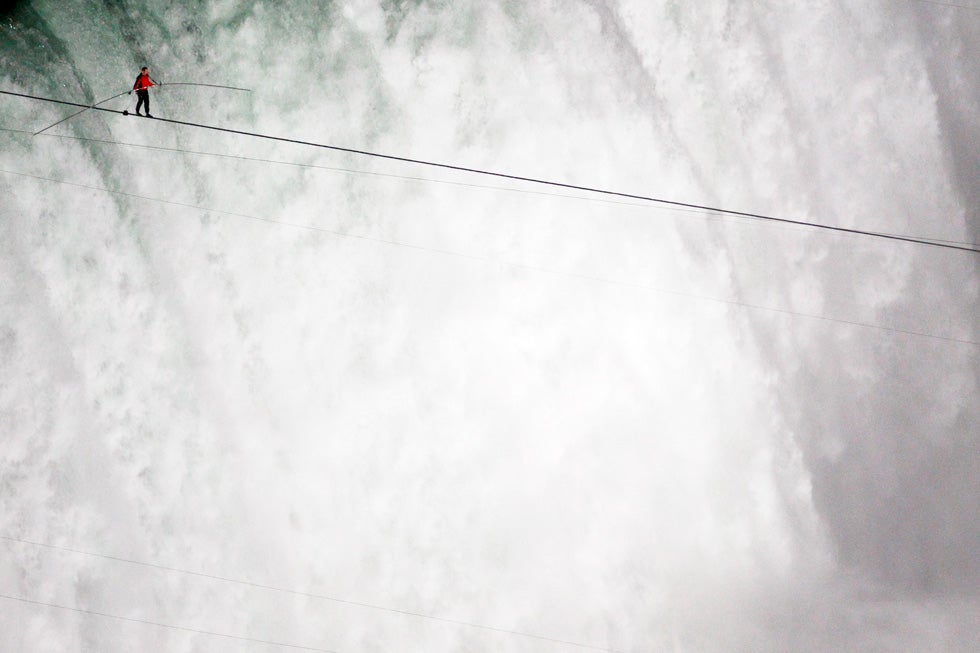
531, 412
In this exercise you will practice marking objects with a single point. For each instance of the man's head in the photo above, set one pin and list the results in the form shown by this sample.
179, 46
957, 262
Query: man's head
144, 69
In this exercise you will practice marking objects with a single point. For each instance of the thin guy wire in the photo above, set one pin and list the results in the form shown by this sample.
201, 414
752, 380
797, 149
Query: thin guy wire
158, 624
518, 266
41, 131
312, 595
947, 4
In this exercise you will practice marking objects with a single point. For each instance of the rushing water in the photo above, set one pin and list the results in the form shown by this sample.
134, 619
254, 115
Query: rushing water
623, 426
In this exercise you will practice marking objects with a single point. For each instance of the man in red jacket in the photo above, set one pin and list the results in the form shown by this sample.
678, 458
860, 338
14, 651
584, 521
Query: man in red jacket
143, 83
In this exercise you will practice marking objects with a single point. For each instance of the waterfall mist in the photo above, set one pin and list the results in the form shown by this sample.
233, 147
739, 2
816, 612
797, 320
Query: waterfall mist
448, 412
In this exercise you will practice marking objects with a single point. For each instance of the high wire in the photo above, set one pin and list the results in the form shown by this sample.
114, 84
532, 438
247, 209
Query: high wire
101, 102
532, 180
312, 595
354, 171
430, 180
516, 266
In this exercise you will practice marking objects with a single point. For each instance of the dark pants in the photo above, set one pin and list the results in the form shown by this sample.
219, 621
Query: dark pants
144, 98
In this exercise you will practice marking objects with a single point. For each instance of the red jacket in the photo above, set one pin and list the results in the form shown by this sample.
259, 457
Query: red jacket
143, 82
